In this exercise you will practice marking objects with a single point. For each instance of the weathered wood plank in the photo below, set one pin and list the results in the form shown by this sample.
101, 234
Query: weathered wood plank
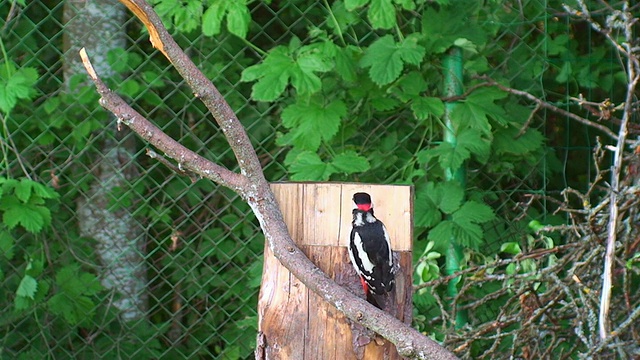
298, 324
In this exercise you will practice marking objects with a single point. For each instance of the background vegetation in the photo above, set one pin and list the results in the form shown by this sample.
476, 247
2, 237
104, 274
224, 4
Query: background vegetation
348, 90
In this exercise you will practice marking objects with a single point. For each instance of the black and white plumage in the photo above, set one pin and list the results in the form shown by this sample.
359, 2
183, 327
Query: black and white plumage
370, 249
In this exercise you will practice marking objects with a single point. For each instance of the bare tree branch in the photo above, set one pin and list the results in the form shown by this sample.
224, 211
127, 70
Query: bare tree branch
253, 188
622, 21
202, 88
633, 77
543, 104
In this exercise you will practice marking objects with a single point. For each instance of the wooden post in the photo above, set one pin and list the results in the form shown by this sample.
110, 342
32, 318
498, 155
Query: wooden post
297, 324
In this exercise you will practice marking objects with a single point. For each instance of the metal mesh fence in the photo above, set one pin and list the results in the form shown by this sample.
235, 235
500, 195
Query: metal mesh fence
198, 247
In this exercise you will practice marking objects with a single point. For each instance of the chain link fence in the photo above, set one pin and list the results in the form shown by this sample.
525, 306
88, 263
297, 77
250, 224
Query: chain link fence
196, 246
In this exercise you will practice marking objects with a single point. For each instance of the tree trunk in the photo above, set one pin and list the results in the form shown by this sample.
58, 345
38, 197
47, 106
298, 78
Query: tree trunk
98, 25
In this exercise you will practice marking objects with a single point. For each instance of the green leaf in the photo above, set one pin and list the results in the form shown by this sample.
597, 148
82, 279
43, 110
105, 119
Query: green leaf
446, 155
238, 18
32, 216
443, 26
386, 58
474, 111
212, 17
426, 210
442, 233
342, 18
346, 64
511, 248
384, 104
8, 185
6, 244
565, 72
76, 282
406, 4
473, 142
52, 104
272, 74
309, 61
410, 86
312, 122
153, 79
410, 51
118, 60
449, 196
73, 300
307, 166
452, 156
73, 310
130, 88
28, 287
350, 162
473, 212
43, 191
280, 67
557, 45
507, 141
465, 234
422, 107
382, 14
465, 44
463, 226
23, 189
187, 15
535, 225
18, 85
351, 5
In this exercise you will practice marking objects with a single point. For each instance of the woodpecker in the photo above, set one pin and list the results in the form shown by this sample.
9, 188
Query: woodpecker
370, 249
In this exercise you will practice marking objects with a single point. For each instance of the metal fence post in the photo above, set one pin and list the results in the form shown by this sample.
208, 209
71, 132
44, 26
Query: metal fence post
452, 64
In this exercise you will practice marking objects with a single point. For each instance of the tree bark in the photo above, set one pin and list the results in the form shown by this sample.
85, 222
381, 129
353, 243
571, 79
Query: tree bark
98, 25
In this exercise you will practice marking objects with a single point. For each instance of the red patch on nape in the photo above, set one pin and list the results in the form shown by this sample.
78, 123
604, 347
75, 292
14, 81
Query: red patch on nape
364, 207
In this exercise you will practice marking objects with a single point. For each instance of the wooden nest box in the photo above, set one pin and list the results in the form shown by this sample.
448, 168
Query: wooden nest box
293, 321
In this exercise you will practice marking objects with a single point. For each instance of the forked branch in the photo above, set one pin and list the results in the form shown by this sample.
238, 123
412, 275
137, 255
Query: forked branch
252, 186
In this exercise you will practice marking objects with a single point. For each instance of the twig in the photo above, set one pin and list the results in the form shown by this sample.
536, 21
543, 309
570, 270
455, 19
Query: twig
176, 168
466, 93
546, 105
528, 122
612, 227
631, 319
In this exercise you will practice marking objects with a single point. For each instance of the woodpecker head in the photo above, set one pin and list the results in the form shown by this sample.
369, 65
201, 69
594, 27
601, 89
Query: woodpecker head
362, 201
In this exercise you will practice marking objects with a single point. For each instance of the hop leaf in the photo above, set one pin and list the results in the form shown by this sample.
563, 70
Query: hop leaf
273, 75
307, 166
349, 162
386, 58
311, 122
474, 111
452, 155
294, 64
237, 13
16, 85
28, 287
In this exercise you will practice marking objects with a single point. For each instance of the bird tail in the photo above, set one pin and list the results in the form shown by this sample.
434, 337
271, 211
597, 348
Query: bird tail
370, 297
372, 300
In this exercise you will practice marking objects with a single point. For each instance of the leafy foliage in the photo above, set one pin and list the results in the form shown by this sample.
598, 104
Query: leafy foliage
23, 203
355, 92
15, 85
294, 64
311, 123
386, 58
